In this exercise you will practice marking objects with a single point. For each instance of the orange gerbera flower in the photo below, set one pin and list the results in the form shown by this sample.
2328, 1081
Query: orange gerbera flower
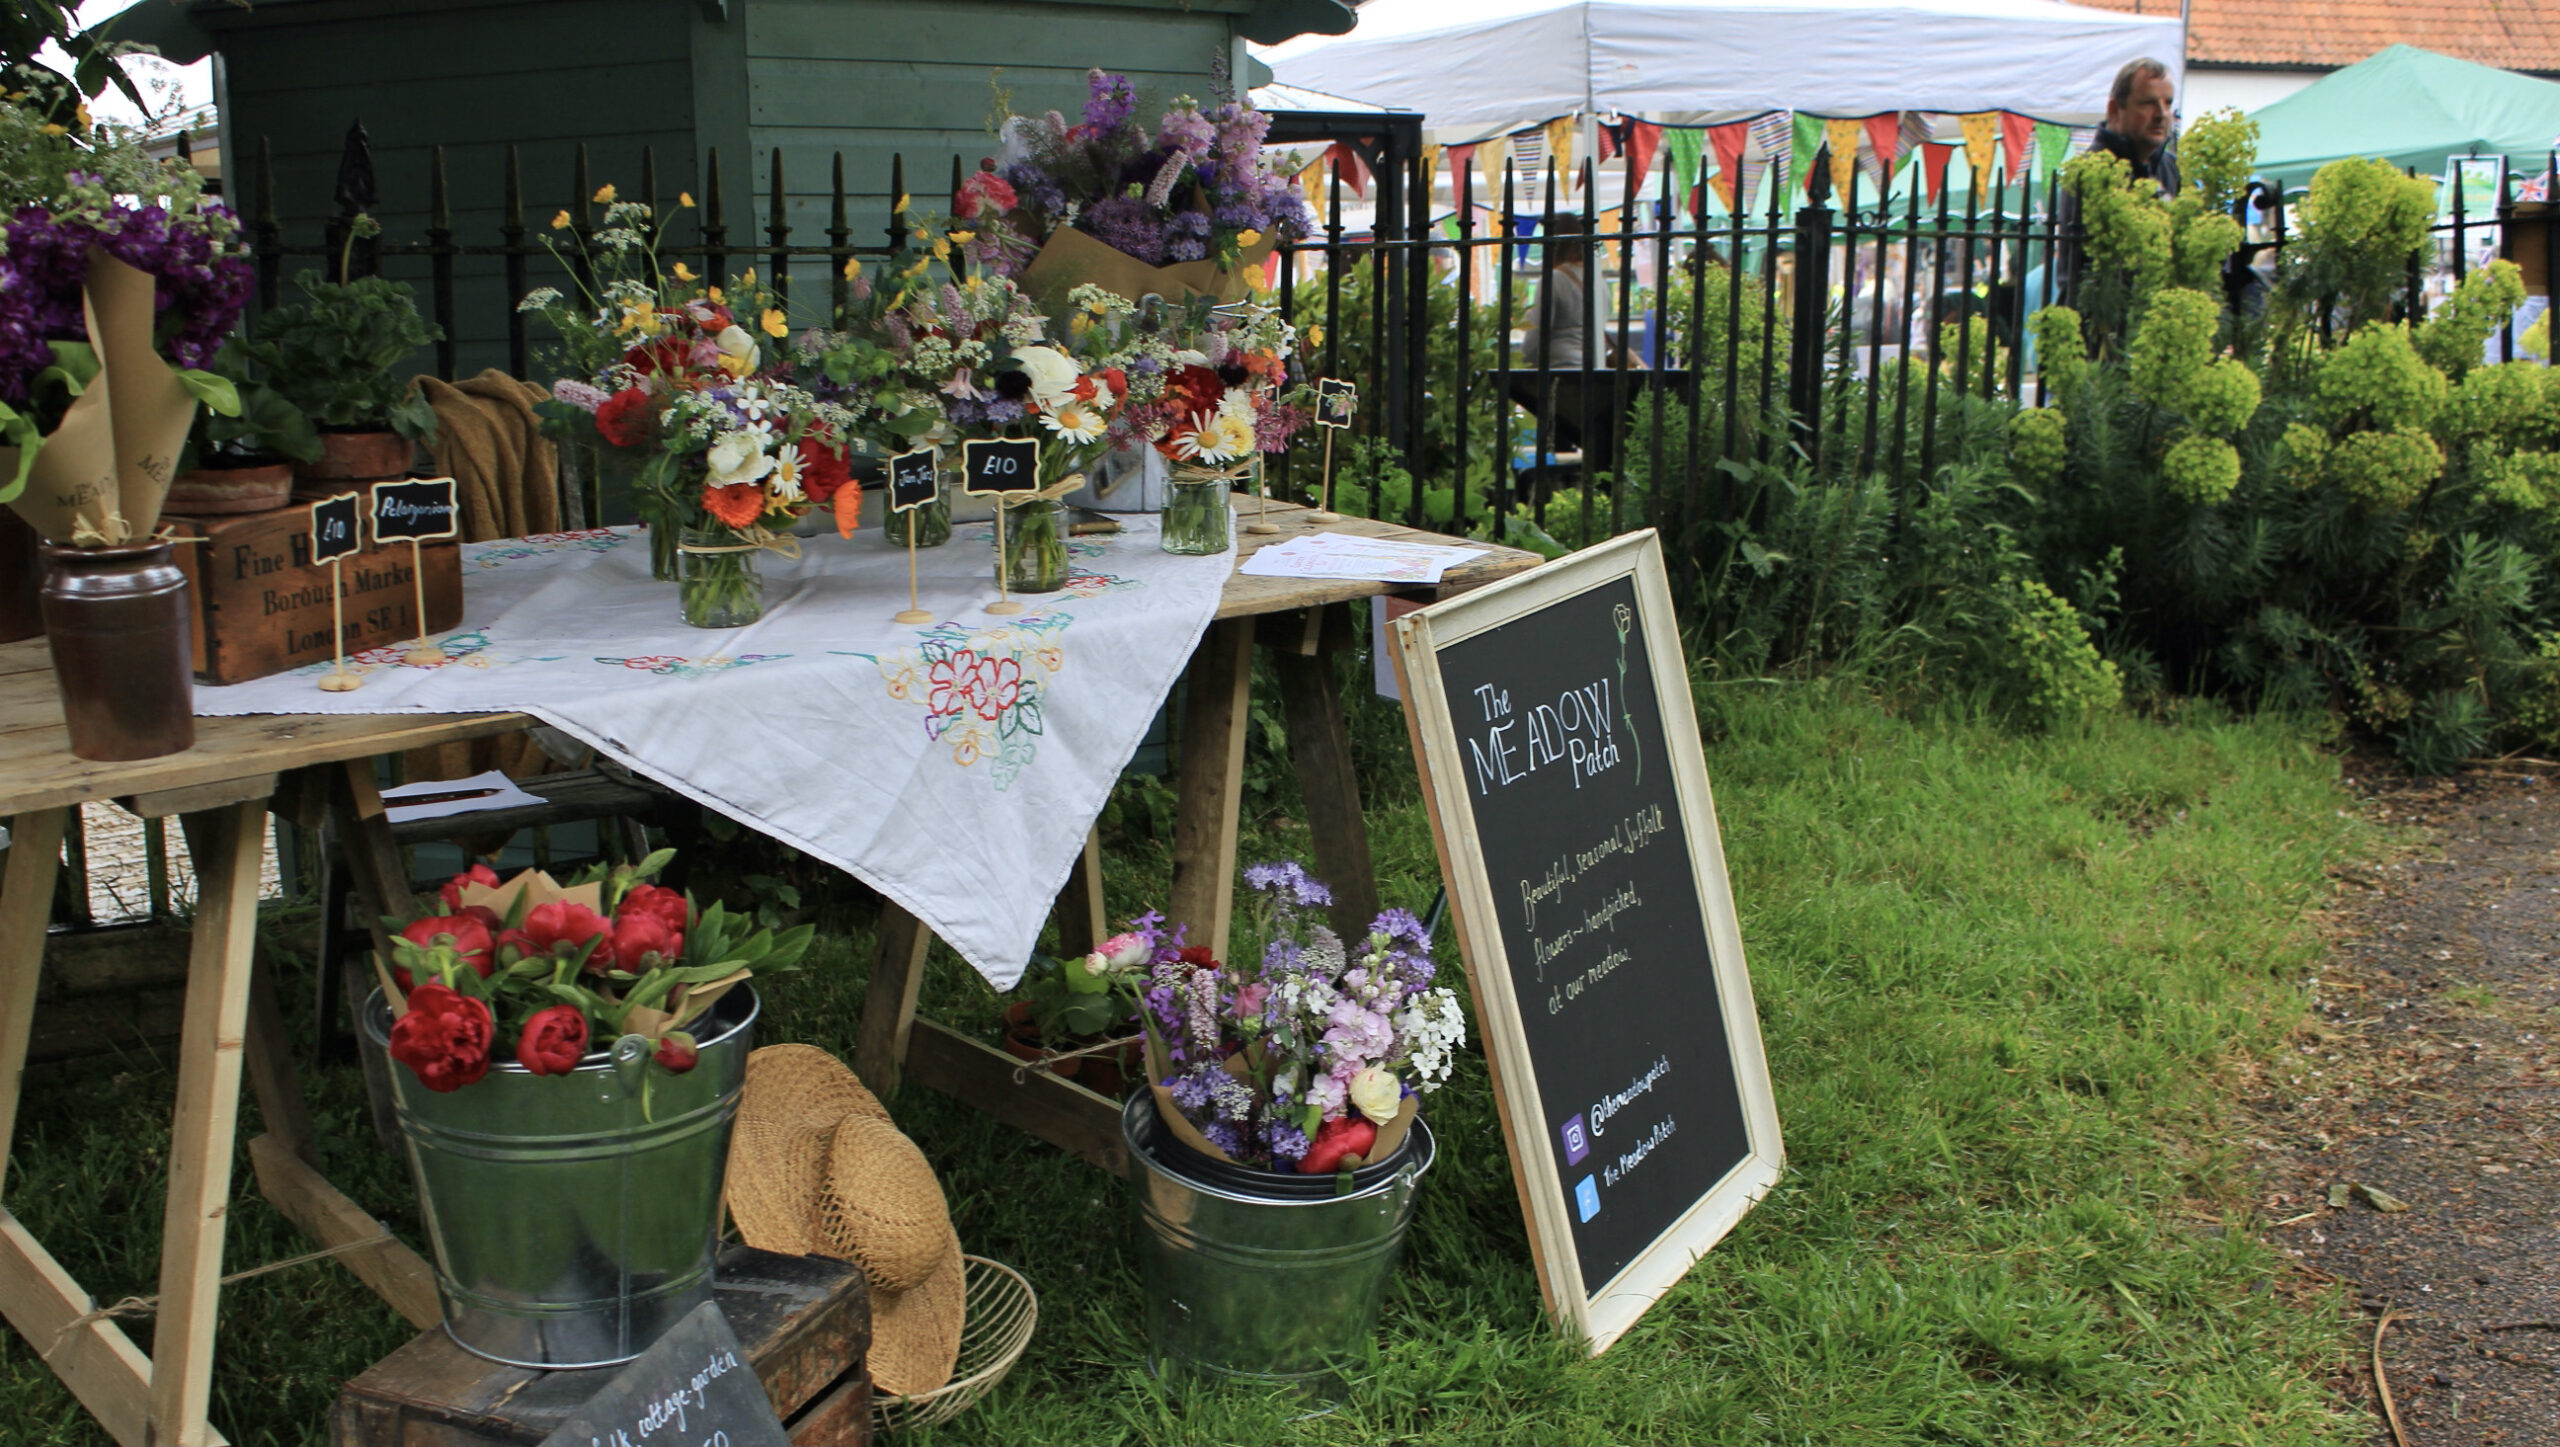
738, 505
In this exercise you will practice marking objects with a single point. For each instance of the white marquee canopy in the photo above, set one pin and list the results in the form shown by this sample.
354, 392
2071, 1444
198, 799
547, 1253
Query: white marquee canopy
1477, 65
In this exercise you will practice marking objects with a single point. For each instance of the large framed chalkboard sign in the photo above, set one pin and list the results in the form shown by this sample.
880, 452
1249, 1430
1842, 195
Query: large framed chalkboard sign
1558, 746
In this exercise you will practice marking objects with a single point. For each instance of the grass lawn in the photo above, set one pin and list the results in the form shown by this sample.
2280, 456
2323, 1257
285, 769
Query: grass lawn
2004, 983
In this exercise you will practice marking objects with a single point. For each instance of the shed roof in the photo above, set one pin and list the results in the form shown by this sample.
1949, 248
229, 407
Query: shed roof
2326, 34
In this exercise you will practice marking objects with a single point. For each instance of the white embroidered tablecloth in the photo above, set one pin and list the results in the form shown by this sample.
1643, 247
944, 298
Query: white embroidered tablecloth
954, 766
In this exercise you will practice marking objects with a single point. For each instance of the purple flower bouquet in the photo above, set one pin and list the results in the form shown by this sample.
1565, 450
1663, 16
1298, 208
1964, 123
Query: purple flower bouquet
1192, 207
115, 266
1315, 1059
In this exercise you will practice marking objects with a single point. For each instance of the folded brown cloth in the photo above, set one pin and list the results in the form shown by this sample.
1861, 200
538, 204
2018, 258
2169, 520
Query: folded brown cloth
506, 473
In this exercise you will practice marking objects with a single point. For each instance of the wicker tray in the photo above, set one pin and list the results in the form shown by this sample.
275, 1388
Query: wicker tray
1002, 1310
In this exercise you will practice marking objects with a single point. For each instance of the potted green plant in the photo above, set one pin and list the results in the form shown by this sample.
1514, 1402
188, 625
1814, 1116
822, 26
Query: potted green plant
332, 355
1071, 1011
243, 462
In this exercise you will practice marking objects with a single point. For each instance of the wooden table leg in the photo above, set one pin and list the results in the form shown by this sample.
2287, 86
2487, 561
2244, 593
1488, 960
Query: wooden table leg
1320, 746
1082, 922
889, 1010
26, 910
200, 1146
1218, 691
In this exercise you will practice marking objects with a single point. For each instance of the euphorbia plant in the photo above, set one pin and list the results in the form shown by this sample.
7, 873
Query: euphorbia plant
544, 971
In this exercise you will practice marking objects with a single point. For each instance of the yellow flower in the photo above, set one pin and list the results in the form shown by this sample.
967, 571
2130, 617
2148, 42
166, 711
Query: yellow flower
773, 323
1315, 335
942, 249
684, 198
749, 279
604, 194
684, 272
560, 222
639, 316
964, 237
903, 198
852, 268
82, 111
51, 129
1248, 237
716, 298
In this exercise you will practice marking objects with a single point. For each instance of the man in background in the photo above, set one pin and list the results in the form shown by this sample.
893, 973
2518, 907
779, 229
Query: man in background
2141, 111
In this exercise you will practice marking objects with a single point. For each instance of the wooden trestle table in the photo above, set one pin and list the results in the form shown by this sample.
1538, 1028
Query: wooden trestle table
311, 768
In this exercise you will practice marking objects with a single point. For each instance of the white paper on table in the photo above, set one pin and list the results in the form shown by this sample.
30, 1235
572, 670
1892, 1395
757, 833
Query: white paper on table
503, 794
1344, 555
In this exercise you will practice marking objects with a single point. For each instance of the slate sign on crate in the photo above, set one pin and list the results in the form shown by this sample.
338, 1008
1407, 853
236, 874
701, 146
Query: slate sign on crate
419, 508
337, 527
1003, 464
693, 1387
1551, 718
912, 478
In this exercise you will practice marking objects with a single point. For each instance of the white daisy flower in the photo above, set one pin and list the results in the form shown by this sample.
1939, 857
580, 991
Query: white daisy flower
1073, 422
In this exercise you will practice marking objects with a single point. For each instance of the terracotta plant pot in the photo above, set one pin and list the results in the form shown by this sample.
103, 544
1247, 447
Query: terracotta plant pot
231, 485
1104, 1073
1023, 1041
117, 622
357, 457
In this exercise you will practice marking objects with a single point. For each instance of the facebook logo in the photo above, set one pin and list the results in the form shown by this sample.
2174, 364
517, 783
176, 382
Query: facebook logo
1577, 1143
1587, 1197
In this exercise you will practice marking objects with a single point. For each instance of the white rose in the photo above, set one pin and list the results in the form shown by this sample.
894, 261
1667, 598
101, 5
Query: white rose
737, 458
1052, 373
1377, 1094
737, 350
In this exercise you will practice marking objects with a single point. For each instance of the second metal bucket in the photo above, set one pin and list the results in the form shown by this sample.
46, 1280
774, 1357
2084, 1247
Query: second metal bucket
1263, 1288
574, 1217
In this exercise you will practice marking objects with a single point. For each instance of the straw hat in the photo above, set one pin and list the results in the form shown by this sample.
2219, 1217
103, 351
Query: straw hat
793, 1098
816, 1167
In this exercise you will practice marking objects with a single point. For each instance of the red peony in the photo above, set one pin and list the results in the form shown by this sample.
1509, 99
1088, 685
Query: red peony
823, 470
666, 904
451, 894
641, 939
1338, 1138
666, 354
560, 922
467, 934
624, 418
444, 1038
676, 1052
553, 1040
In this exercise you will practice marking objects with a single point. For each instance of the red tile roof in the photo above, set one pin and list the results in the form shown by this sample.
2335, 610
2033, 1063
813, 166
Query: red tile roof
2324, 34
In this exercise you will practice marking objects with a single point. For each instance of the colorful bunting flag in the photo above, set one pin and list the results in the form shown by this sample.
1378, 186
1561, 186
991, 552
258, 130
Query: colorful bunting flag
1644, 138
1981, 133
1884, 147
1688, 147
1842, 139
1492, 154
1462, 175
2018, 142
1529, 150
1355, 172
1729, 141
2053, 147
1933, 166
1560, 149
1805, 145
1311, 181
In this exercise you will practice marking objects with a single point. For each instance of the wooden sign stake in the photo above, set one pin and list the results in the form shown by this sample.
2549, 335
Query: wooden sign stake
1262, 522
338, 680
1004, 606
911, 613
1335, 402
1324, 512
336, 530
421, 654
909, 493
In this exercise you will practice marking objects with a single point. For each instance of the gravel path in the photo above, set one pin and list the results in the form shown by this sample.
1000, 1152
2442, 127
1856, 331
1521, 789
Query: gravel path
2409, 1139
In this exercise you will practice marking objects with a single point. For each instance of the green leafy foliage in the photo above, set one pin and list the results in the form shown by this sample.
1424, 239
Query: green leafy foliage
2216, 152
2059, 676
2038, 447
2455, 336
2358, 227
332, 354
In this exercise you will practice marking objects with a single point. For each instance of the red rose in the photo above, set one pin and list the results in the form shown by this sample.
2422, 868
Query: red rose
637, 937
666, 904
1200, 955
676, 1051
1338, 1138
444, 1038
549, 926
466, 934
823, 470
452, 891
553, 1040
624, 418
1199, 388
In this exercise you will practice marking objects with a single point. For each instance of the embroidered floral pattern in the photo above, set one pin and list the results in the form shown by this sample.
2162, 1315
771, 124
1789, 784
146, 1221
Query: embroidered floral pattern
984, 690
543, 545
668, 665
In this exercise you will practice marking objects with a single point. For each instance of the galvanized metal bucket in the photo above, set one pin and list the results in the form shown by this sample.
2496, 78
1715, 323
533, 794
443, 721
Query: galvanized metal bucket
574, 1217
1276, 1286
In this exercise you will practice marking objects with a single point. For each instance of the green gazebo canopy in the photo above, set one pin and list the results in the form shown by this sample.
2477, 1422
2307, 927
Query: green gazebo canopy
2413, 108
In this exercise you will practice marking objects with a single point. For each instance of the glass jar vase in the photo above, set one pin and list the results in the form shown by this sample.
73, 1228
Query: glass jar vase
721, 586
1197, 520
931, 523
1034, 559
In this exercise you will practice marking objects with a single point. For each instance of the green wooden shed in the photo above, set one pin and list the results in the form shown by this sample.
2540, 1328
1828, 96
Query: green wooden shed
758, 83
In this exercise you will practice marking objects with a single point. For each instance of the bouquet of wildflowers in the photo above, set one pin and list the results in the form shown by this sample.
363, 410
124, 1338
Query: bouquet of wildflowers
1312, 1059
1229, 396
1196, 188
542, 971
114, 264
697, 382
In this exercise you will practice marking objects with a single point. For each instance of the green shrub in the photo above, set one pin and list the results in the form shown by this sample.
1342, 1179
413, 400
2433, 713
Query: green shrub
2201, 469
2059, 677
2038, 447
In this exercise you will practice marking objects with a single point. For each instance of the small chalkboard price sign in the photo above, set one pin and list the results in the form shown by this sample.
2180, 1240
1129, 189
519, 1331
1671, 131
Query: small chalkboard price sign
913, 478
1000, 464
1558, 745
693, 1388
417, 509
337, 532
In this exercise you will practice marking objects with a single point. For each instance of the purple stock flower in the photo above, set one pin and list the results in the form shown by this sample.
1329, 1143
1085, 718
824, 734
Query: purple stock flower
1109, 101
1288, 884
1126, 224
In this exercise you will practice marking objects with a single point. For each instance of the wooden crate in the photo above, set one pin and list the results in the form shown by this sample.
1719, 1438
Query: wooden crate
262, 606
804, 1320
